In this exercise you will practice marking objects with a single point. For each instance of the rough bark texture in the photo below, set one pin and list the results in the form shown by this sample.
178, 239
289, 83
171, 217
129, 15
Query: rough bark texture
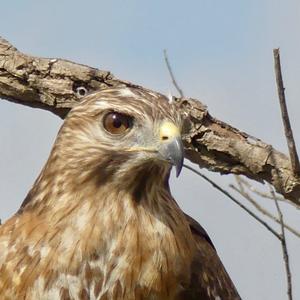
56, 85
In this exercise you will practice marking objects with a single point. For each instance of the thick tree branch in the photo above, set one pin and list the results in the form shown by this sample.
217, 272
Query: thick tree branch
219, 147
57, 85
51, 84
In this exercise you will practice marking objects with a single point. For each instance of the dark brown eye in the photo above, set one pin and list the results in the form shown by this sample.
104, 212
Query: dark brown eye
117, 123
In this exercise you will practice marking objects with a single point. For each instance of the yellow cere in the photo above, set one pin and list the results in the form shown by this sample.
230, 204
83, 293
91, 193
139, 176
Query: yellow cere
168, 130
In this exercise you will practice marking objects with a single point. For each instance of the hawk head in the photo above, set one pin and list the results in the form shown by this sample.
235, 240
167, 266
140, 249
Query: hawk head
124, 137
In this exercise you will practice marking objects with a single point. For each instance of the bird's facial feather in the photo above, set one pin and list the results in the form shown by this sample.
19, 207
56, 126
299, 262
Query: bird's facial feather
150, 125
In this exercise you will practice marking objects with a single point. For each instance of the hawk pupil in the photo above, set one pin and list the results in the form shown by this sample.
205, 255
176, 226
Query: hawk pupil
117, 121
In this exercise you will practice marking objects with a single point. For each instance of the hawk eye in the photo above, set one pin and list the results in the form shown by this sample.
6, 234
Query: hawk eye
117, 123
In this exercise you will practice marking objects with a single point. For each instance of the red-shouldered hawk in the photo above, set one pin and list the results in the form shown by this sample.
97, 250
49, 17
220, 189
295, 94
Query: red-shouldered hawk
100, 221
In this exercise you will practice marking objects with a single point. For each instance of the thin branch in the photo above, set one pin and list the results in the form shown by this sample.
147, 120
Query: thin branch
252, 214
262, 194
285, 116
179, 90
284, 249
263, 210
282, 235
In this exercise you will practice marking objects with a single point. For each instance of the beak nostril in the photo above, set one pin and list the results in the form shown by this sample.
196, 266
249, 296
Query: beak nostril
164, 138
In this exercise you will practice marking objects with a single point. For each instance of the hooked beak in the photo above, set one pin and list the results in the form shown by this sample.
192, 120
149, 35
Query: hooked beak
171, 146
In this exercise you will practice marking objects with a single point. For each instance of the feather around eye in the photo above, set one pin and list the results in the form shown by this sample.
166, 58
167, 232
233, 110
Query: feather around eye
117, 123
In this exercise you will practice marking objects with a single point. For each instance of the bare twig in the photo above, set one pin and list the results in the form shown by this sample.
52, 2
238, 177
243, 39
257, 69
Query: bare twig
284, 249
261, 209
179, 90
282, 235
262, 194
284, 114
252, 214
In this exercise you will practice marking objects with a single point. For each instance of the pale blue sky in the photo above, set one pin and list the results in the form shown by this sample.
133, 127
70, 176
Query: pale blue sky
221, 52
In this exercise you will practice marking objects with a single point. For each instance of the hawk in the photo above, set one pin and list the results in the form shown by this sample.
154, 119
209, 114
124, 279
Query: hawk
100, 221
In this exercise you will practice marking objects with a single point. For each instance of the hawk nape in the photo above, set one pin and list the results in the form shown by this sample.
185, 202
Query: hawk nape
100, 222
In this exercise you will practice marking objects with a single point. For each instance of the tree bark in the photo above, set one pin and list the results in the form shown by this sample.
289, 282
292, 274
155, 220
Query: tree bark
57, 85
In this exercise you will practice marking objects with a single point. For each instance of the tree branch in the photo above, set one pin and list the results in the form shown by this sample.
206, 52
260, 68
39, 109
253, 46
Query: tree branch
263, 194
179, 90
284, 249
261, 209
51, 84
285, 116
241, 205
57, 85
